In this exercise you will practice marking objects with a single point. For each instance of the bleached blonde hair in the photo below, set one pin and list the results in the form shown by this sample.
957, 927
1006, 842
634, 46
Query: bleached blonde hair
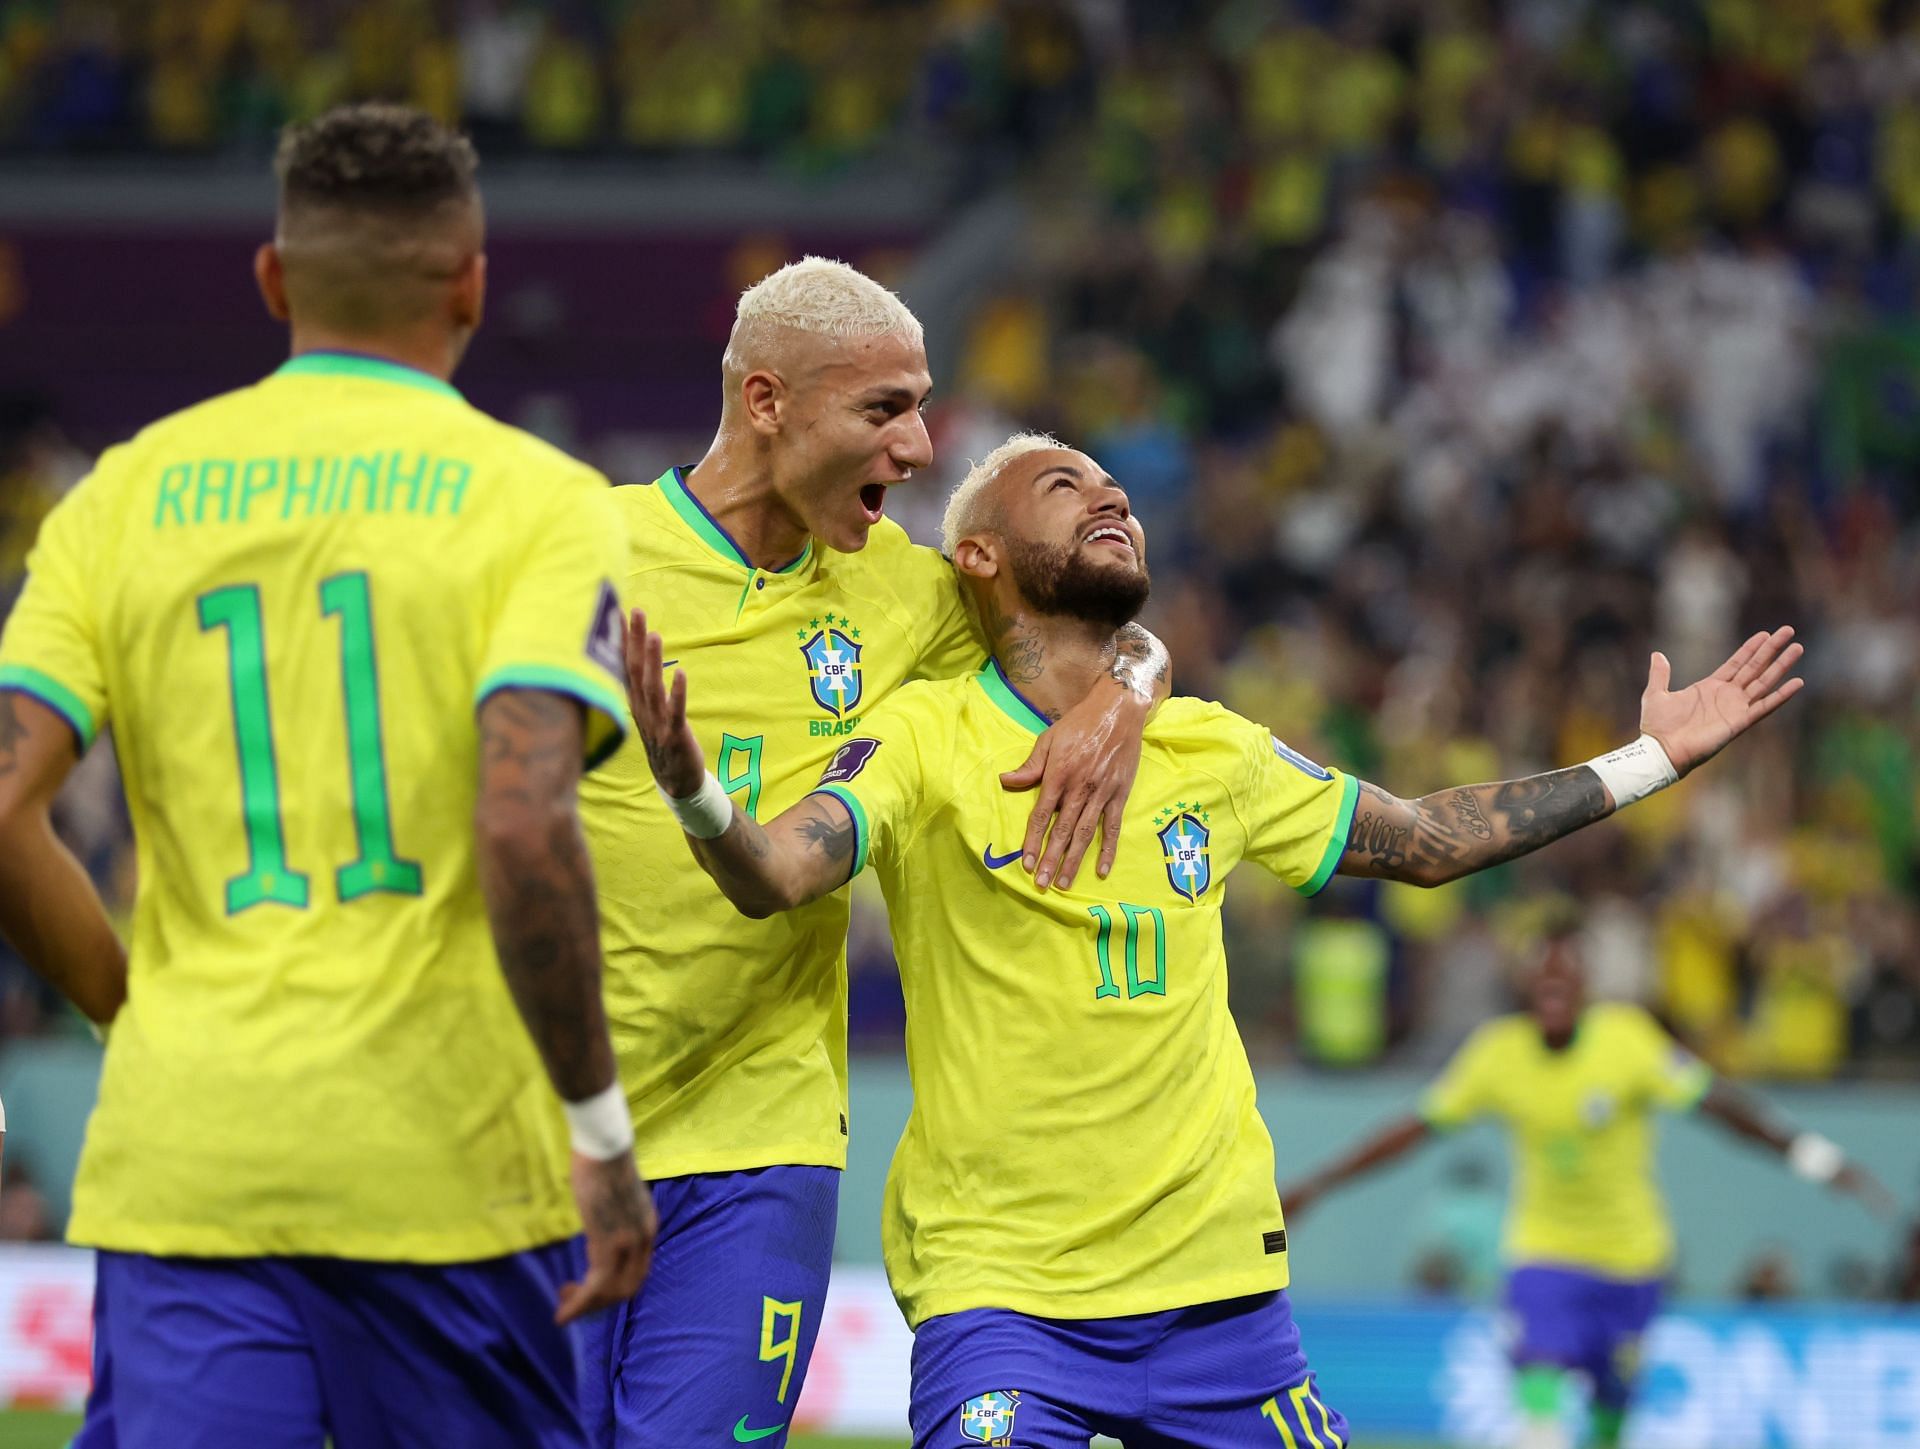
820, 296
967, 506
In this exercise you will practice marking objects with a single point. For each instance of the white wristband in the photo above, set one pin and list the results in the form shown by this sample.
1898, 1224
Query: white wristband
1634, 771
1815, 1158
704, 814
602, 1126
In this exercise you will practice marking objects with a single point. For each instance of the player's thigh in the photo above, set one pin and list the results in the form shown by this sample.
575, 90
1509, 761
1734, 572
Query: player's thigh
715, 1349
1548, 1319
1622, 1313
199, 1354
1235, 1373
418, 1356
1017, 1418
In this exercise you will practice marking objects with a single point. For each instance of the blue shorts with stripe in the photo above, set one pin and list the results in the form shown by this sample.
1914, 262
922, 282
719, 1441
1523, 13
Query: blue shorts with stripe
1582, 1321
715, 1347
1216, 1376
286, 1353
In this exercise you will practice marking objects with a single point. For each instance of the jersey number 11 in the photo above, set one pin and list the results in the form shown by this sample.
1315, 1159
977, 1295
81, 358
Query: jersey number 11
268, 877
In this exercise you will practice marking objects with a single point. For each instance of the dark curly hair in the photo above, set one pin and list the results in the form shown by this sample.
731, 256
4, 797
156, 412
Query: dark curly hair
374, 155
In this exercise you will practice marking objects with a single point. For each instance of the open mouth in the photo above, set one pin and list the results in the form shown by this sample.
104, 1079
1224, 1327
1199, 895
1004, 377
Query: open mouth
873, 501
1112, 536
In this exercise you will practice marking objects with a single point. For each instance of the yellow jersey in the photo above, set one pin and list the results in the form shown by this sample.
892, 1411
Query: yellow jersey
288, 603
1584, 1196
732, 1033
1084, 1141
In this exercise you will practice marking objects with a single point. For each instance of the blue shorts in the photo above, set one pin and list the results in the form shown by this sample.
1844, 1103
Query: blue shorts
283, 1353
1584, 1322
715, 1347
1217, 1376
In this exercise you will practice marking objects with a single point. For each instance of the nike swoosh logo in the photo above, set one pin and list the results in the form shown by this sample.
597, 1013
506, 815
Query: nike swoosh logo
743, 1435
994, 862
668, 663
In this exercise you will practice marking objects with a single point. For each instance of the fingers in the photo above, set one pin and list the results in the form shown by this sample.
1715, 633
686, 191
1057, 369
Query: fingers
1659, 673
1740, 657
1032, 769
1759, 709
1067, 846
1771, 676
1760, 655
1109, 840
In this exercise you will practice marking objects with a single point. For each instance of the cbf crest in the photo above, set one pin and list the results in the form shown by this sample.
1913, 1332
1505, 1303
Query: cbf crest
988, 1419
831, 647
1184, 836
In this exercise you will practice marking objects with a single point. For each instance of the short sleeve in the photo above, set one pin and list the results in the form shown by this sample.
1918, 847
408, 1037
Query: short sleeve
1298, 814
1673, 1078
878, 776
51, 648
560, 625
953, 643
1465, 1090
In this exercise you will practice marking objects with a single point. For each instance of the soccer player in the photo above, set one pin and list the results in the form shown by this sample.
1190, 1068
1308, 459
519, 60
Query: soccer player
356, 642
772, 571
1081, 1220
1577, 1085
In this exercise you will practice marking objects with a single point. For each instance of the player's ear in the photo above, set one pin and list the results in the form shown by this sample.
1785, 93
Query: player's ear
977, 557
764, 395
271, 277
470, 292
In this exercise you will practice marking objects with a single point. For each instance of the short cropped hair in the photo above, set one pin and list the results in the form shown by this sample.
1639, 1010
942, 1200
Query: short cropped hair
374, 156
967, 506
820, 296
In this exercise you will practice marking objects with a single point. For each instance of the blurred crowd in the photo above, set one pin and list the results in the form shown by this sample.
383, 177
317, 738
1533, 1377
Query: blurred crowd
1455, 354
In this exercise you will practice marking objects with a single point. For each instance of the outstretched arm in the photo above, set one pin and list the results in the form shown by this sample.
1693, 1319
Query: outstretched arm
1455, 832
1811, 1156
49, 909
803, 854
1394, 1140
1084, 765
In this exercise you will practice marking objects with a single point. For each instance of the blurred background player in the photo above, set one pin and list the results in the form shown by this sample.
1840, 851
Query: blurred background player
1577, 1086
326, 1176
773, 573
1081, 1221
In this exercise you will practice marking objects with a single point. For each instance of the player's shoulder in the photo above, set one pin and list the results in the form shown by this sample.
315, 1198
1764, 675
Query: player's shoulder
526, 456
1204, 727
1507, 1035
1622, 1020
177, 432
893, 566
937, 702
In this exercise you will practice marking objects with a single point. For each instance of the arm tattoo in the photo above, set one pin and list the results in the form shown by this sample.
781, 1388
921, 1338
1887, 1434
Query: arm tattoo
538, 880
1140, 661
11, 733
1446, 835
823, 834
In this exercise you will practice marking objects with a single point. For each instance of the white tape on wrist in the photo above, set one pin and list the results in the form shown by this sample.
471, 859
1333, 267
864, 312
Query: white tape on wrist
1634, 771
3, 1116
601, 1127
704, 814
1815, 1158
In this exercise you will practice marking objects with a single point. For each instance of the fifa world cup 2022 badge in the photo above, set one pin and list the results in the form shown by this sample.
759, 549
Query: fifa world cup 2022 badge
988, 1418
831, 647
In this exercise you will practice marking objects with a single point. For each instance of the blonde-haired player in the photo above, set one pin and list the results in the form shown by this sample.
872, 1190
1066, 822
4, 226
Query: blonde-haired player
1081, 1221
773, 573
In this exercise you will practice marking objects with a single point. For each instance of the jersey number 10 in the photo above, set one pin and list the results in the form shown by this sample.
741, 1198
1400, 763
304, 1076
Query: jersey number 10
347, 598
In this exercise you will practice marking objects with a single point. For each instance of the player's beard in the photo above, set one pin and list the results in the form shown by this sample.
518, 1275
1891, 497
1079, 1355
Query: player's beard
1063, 582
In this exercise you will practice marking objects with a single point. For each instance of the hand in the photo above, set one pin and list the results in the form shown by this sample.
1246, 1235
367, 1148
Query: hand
1084, 766
617, 1212
1873, 1195
660, 713
1694, 724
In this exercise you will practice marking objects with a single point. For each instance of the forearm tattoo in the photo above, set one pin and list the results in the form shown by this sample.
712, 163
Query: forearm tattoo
1446, 835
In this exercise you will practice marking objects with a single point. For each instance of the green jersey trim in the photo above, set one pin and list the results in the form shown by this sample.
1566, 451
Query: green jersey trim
993, 679
1336, 842
591, 693
55, 696
694, 514
862, 832
373, 369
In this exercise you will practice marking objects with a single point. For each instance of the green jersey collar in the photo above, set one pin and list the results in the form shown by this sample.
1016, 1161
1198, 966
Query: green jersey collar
362, 364
693, 513
1015, 705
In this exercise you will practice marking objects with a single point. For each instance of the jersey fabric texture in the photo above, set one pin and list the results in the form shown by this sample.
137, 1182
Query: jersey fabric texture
288, 1353
731, 1033
288, 602
1581, 1119
1216, 1376
1579, 1321
715, 1346
1084, 1141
